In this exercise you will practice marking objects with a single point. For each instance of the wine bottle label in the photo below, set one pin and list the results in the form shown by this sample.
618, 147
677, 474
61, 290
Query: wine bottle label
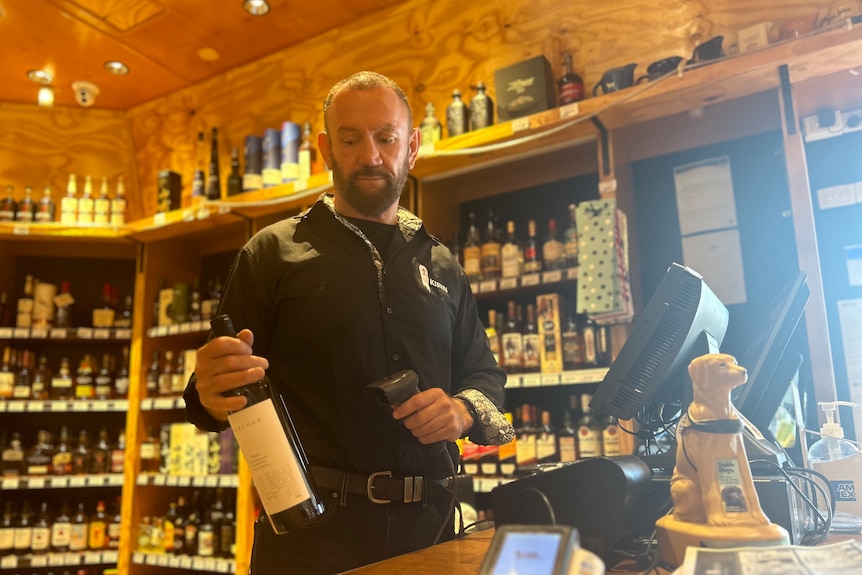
78, 537
251, 182
270, 456
568, 448
546, 447
589, 442
7, 381
589, 345
525, 450
7, 539
61, 382
206, 540
41, 538
97, 534
23, 537
511, 265
611, 440
532, 345
473, 261
513, 349
61, 534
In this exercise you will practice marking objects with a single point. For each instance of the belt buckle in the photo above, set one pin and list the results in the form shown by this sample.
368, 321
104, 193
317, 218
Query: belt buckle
370, 488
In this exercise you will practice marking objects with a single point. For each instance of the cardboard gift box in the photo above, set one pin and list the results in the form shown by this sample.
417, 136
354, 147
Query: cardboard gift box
524, 88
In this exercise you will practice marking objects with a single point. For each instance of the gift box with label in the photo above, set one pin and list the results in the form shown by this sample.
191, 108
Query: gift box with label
524, 88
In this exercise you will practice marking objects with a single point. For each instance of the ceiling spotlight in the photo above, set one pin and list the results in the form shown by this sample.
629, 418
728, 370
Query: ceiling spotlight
256, 7
46, 96
40, 76
116, 68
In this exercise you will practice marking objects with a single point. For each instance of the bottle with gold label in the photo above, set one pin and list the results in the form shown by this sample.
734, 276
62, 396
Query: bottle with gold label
86, 204
590, 430
473, 251
430, 130
511, 254
491, 249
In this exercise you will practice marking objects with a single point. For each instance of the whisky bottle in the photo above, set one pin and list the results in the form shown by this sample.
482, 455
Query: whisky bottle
511, 254
553, 252
100, 454
214, 175
21, 389
113, 530
430, 130
511, 342
61, 384
507, 453
491, 250
307, 153
611, 436
98, 528
570, 246
45, 209
567, 435
473, 251
85, 204
69, 203
234, 178
589, 331
227, 530
532, 256
152, 379
61, 529
191, 524
570, 85
103, 382
41, 383
79, 530
252, 179
81, 455
118, 453
199, 177
265, 434
8, 205
7, 530
7, 375
589, 431
102, 205
150, 452
23, 531
547, 449
26, 211
206, 534
531, 342
481, 109
178, 375
493, 334
457, 115
84, 383
5, 311
118, 205
164, 382
179, 547
526, 454
572, 344
65, 313
25, 304
61, 460
37, 462
41, 537
12, 458
121, 381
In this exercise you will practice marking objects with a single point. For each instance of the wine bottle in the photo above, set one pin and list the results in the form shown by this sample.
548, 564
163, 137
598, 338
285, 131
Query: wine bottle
214, 177
265, 433
234, 179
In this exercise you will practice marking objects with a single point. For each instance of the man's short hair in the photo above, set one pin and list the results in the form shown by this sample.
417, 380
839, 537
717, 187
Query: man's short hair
365, 81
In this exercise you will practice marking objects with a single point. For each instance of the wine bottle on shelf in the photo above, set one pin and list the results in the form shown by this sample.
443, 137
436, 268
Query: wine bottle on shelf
511, 254
61, 384
571, 244
567, 435
80, 530
24, 530
69, 203
553, 251
61, 460
7, 530
512, 341
307, 154
430, 130
45, 209
290, 498
26, 302
234, 178
570, 85
41, 382
41, 538
199, 178
81, 454
26, 211
85, 204
491, 249
8, 206
457, 115
118, 205
532, 255
531, 342
61, 529
102, 205
473, 251
214, 176
481, 108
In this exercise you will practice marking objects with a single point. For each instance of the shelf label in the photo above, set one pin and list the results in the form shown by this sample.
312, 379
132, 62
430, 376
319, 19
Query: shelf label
487, 286
160, 331
123, 333
550, 379
57, 559
101, 333
2, 406
36, 483
223, 566
9, 562
16, 406
137, 557
92, 558
100, 406
531, 379
164, 403
514, 380
185, 481
36, 406
39, 333
59, 333
6, 332
163, 560
185, 562
60, 482
520, 124
474, 287
211, 481
110, 556
199, 325
159, 480
142, 479
21, 332
77, 481
174, 561
121, 405
569, 111
147, 403
173, 481
160, 219
9, 483
185, 327
114, 479
552, 276
572, 273
20, 230
530, 280
198, 481
570, 377
300, 185
608, 186
198, 563
189, 215
508, 283
209, 564
96, 480
151, 559
84, 332
80, 405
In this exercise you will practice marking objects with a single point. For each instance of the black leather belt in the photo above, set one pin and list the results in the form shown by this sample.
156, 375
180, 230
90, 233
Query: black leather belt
379, 487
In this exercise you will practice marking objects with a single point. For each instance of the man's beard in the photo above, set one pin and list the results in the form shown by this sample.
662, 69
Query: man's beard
370, 203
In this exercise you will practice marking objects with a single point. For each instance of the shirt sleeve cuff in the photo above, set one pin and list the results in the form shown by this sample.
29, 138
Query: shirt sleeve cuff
490, 426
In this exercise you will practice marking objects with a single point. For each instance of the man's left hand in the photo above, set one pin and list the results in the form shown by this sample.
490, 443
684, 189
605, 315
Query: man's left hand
433, 416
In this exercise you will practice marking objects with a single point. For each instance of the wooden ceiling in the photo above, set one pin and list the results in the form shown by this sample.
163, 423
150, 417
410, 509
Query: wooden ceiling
167, 44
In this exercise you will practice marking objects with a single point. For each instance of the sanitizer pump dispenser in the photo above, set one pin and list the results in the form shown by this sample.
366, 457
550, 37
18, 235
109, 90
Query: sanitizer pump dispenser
839, 459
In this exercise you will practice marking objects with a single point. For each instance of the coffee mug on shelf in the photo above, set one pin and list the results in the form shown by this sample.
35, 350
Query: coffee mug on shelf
660, 67
616, 79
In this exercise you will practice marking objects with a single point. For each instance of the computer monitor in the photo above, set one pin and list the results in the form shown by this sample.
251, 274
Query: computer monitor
682, 320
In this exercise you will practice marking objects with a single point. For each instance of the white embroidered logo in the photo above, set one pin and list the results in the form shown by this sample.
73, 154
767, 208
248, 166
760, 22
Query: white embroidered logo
428, 281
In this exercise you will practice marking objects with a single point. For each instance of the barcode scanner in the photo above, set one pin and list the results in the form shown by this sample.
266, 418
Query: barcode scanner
394, 389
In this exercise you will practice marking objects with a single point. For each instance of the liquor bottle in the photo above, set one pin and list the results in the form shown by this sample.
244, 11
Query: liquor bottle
570, 246
567, 435
24, 317
150, 452
45, 209
512, 342
26, 211
507, 453
23, 530
473, 251
457, 115
307, 153
611, 436
65, 302
531, 342
178, 375
61, 384
123, 319
572, 339
81, 454
8, 205
571, 86
216, 517
493, 335
69, 203
61, 530
41, 383
100, 454
7, 374
227, 530
102, 205
526, 454
252, 178
118, 205
206, 534
118, 453
12, 458
511, 254
40, 541
430, 130
37, 461
121, 381
103, 382
85, 204
179, 526
234, 178
84, 383
21, 389
553, 252
481, 109
152, 379
603, 345
532, 256
7, 530
192, 523
61, 459
278, 447
491, 249
113, 530
214, 175
165, 375
98, 528
547, 449
103, 316
589, 431
589, 331
199, 178
79, 531
145, 529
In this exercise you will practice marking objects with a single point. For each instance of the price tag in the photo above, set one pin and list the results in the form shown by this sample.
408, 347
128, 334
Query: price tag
21, 332
96, 480
508, 283
173, 481
9, 562
160, 219
474, 287
300, 185
531, 379
60, 482
608, 186
198, 563
185, 481
174, 561
16, 406
159, 480
199, 325
222, 209
20, 230
2, 406
487, 286
163, 560
569, 110
185, 327
147, 403
209, 564
6, 332
185, 562
9, 483
161, 331
123, 333
56, 559
39, 333
514, 380
115, 479
59, 333
223, 566
142, 479
164, 403
179, 403
121, 405
188, 215
211, 481
229, 481
530, 280
174, 329
198, 481
100, 405
80, 405
92, 558
552, 276
36, 483
84, 332
137, 557
36, 406
151, 332
550, 379
79, 481
426, 150
520, 124
101, 333
570, 377
110, 556
151, 559
572, 273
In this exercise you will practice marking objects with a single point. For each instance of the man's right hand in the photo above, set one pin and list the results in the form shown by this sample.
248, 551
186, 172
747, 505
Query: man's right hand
225, 363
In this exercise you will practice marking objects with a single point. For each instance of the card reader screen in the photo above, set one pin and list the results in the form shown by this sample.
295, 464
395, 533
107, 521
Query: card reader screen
528, 553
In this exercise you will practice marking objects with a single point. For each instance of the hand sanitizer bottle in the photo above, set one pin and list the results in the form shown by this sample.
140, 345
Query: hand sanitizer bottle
840, 460
831, 446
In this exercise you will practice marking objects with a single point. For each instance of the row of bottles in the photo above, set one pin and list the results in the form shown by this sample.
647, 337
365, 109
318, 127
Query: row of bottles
168, 374
181, 449
46, 458
200, 528
184, 302
495, 255
538, 441
23, 377
516, 341
56, 528
79, 210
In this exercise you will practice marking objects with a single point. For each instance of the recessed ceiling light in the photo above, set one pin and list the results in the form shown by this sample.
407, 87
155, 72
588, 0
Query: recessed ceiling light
46, 96
40, 76
116, 68
256, 7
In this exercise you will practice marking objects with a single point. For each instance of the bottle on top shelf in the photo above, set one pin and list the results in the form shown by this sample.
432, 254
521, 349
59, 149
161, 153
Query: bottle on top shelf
457, 115
214, 175
199, 178
570, 85
8, 205
69, 203
85, 203
45, 209
430, 130
26, 211
481, 108
118, 205
102, 205
234, 178
307, 153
